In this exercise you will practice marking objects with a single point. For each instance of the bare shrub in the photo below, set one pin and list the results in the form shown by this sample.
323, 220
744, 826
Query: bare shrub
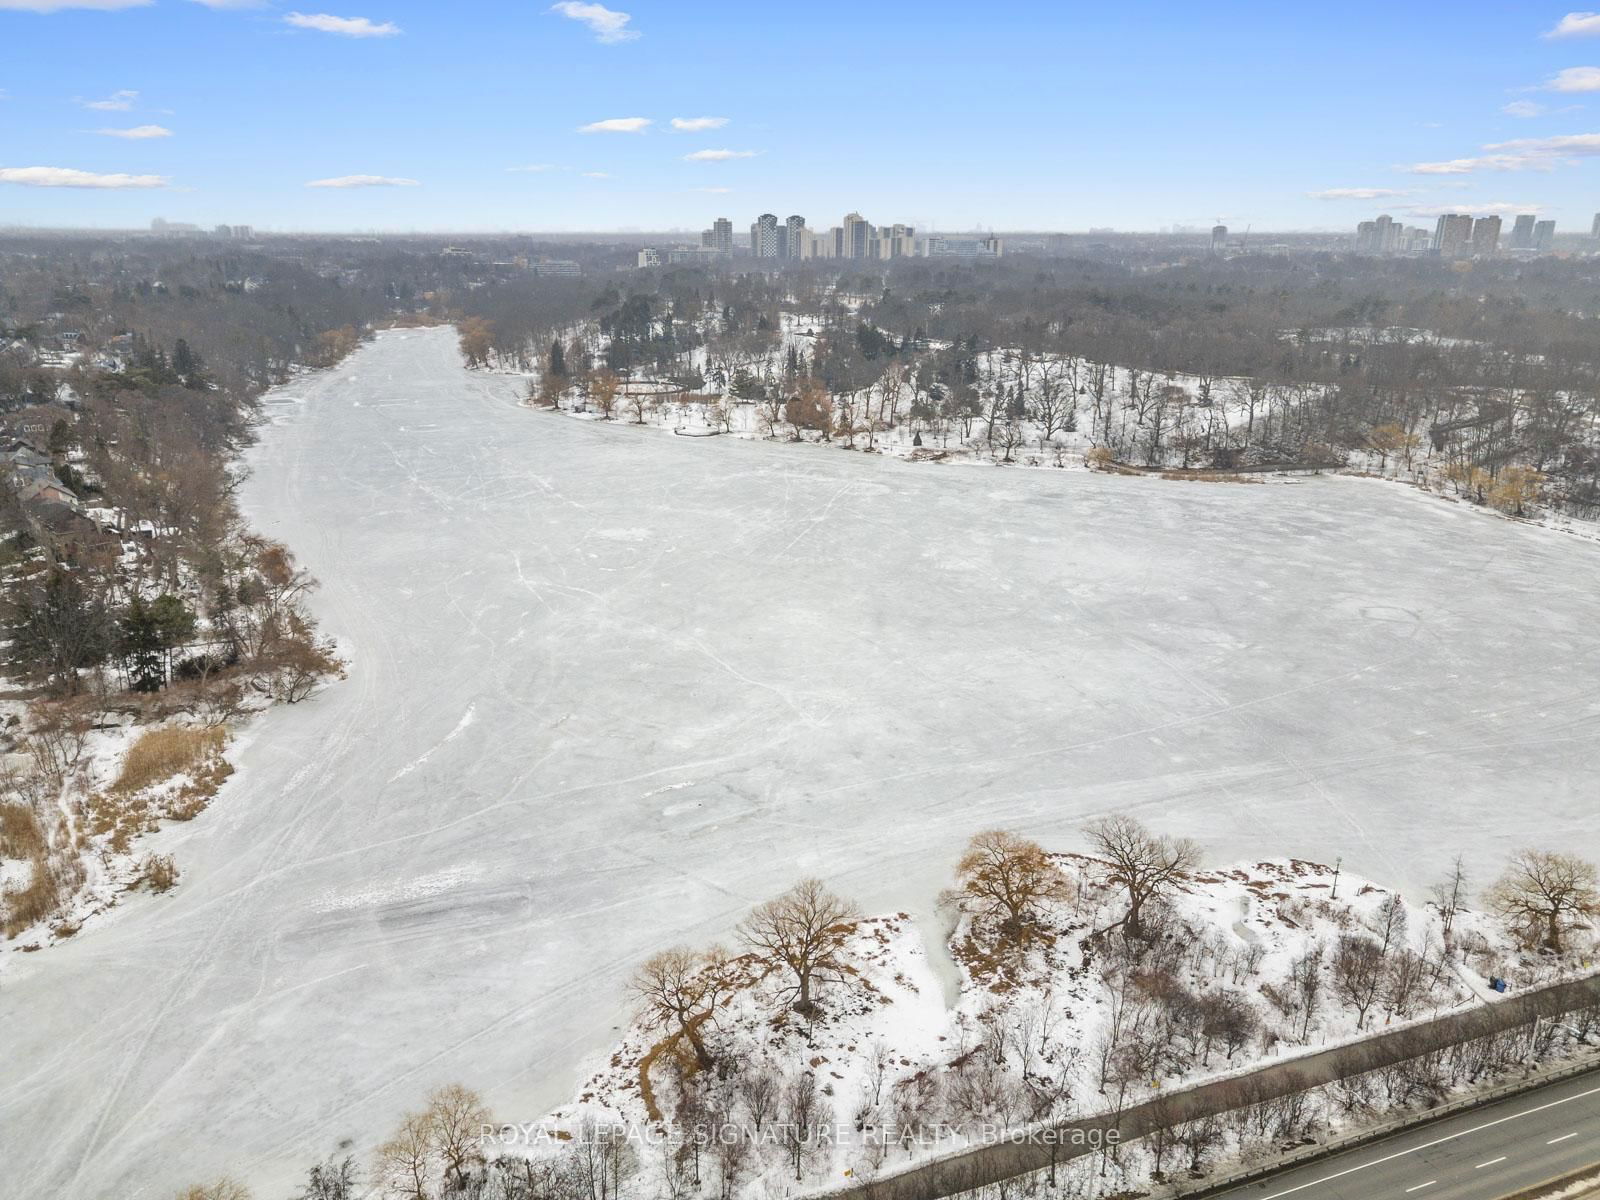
212, 702
1208, 477
159, 871
296, 663
57, 743
27, 783
219, 1189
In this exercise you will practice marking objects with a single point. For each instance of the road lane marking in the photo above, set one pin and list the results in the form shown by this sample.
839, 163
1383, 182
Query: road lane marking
1429, 1145
1562, 1138
1420, 1186
1490, 1163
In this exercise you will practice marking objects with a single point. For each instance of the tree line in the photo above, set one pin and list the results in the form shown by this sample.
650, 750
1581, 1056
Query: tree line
1490, 371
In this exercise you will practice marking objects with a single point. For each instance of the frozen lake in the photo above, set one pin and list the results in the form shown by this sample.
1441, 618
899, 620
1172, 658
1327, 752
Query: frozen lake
611, 687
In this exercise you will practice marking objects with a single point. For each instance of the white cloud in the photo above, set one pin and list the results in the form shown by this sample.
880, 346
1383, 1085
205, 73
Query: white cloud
1575, 79
356, 27
607, 25
1576, 24
66, 177
1356, 193
1523, 108
116, 102
1519, 154
1485, 162
138, 133
1572, 145
533, 169
362, 181
717, 155
50, 6
698, 124
1480, 210
618, 125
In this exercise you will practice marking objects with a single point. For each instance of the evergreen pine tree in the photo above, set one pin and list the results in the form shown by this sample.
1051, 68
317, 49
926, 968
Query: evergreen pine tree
140, 646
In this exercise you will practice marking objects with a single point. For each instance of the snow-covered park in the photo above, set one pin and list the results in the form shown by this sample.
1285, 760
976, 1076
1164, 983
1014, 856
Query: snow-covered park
611, 688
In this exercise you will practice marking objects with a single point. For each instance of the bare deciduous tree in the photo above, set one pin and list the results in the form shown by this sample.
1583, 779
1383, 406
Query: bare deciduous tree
1450, 894
681, 987
805, 1112
1010, 878
1404, 982
811, 407
456, 1116
406, 1162
1389, 923
1144, 864
1543, 896
335, 1179
1358, 973
1305, 974
804, 930
477, 339
602, 387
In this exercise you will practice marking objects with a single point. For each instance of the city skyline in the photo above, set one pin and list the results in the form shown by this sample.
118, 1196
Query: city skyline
213, 111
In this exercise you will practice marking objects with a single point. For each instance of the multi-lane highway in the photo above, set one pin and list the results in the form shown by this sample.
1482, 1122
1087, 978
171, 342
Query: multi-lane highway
1485, 1153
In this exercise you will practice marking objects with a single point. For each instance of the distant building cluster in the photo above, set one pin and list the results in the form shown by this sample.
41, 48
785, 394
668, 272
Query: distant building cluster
1388, 236
1528, 233
791, 239
1458, 235
950, 247
167, 228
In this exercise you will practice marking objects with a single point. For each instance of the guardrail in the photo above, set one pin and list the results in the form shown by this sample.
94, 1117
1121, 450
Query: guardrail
1534, 1080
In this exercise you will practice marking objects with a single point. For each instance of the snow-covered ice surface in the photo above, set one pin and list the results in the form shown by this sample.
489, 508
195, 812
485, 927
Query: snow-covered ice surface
609, 689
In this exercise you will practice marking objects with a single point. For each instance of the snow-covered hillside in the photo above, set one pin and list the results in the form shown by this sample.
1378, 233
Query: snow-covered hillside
1237, 967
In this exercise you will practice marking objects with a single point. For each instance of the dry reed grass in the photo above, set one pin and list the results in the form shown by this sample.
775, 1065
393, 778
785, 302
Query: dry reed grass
159, 754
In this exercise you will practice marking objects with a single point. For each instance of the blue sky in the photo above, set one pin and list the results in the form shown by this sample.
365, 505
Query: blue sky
1065, 115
